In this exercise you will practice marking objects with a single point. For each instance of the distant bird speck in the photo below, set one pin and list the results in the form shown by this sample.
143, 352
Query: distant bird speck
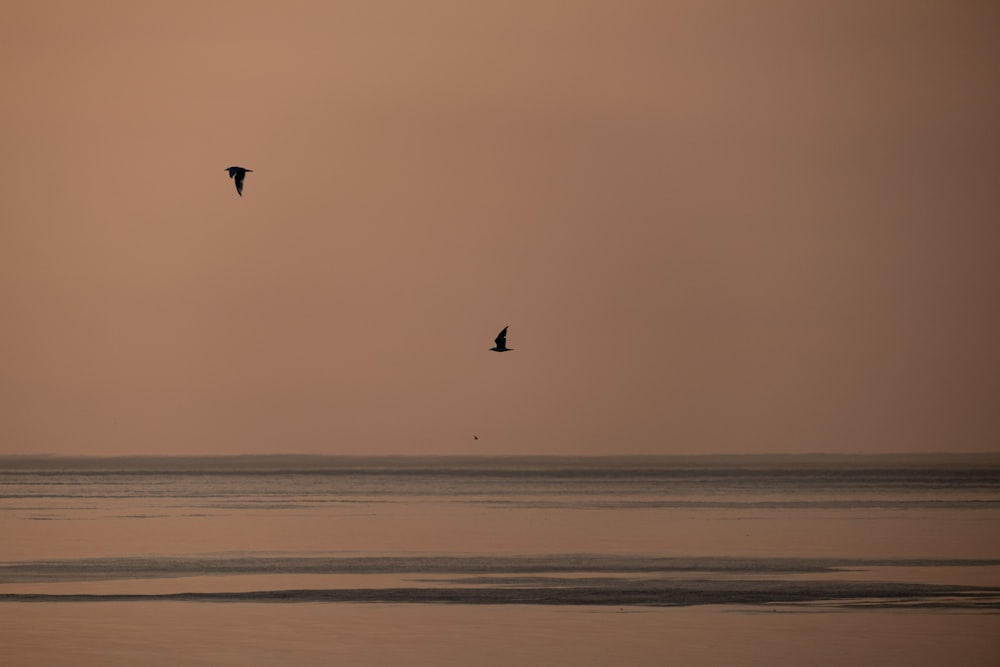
238, 174
501, 341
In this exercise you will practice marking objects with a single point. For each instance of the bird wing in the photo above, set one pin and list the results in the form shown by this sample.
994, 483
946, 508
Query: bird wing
239, 182
501, 339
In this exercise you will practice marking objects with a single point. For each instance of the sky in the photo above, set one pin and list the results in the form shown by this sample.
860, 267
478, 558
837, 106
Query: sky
712, 227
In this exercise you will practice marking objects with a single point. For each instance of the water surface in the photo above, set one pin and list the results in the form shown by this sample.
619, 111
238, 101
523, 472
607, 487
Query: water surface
609, 551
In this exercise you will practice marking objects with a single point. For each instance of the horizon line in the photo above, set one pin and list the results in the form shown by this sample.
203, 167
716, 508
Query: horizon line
27, 462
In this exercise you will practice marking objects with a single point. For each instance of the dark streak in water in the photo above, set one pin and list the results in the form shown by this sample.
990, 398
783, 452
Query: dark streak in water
107, 569
972, 504
644, 592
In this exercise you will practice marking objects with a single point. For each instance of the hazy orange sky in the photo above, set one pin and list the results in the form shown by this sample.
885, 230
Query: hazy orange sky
712, 227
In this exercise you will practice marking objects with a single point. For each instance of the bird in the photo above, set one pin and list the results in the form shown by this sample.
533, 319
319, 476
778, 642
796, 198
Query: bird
501, 341
238, 174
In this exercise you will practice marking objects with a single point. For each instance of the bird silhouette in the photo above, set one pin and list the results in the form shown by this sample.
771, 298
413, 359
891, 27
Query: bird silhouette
501, 341
238, 174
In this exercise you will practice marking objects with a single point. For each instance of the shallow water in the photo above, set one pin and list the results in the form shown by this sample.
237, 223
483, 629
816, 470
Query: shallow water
310, 560
176, 633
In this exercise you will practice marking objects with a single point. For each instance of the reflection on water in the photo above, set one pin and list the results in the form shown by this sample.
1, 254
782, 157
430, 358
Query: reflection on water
540, 536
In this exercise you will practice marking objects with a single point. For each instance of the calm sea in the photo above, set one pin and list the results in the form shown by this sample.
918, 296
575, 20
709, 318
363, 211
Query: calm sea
296, 560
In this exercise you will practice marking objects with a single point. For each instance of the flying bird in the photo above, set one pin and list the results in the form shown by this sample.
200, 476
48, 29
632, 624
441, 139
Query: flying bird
501, 341
238, 174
